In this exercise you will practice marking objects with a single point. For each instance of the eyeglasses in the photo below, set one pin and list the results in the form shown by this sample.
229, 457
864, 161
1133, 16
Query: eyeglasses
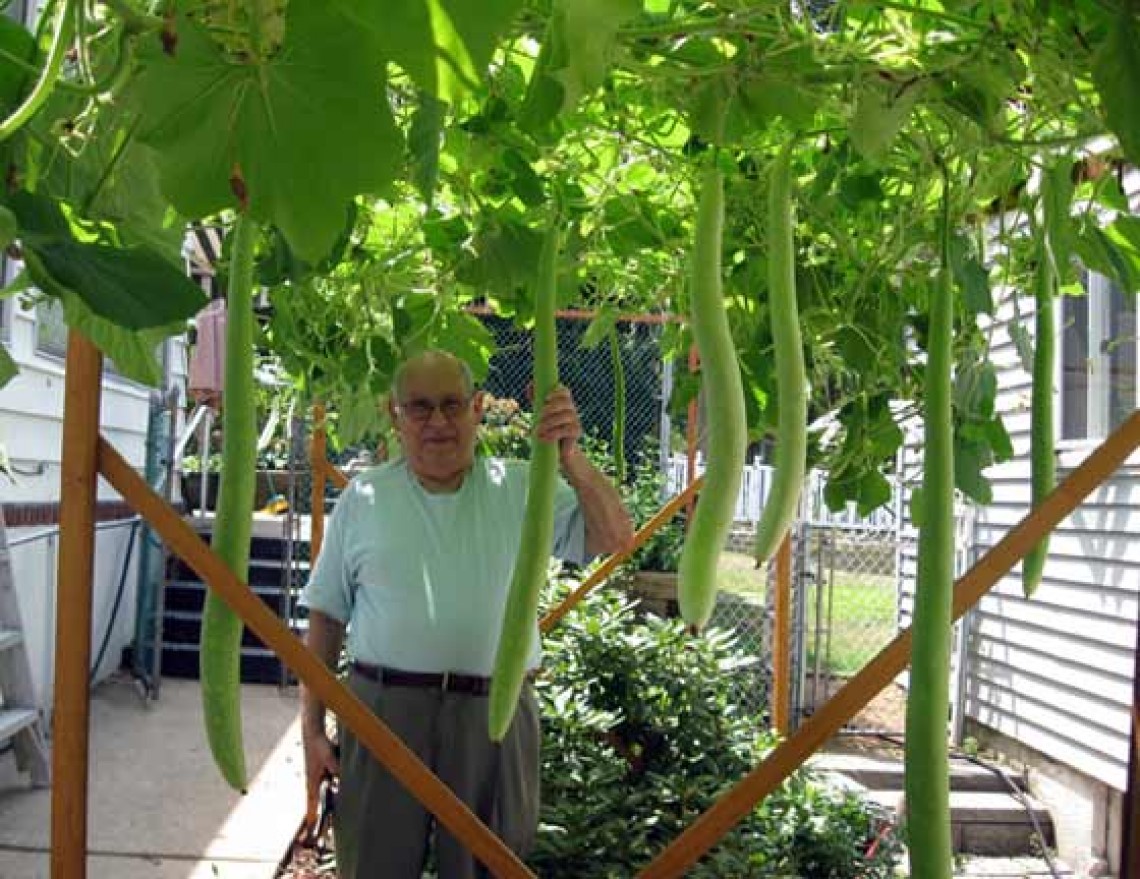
421, 410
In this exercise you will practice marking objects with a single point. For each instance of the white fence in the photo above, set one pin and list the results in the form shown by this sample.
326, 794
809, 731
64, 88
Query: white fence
757, 483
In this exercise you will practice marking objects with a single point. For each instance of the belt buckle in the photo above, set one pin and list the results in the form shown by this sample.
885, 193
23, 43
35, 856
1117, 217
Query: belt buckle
444, 680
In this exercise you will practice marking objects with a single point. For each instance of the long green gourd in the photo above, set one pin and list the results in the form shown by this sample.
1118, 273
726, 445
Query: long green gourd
727, 429
927, 757
529, 573
619, 407
791, 373
49, 74
220, 649
1043, 465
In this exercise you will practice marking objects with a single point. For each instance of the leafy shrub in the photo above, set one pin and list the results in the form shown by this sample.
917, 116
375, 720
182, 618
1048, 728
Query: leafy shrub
662, 552
644, 726
193, 463
505, 431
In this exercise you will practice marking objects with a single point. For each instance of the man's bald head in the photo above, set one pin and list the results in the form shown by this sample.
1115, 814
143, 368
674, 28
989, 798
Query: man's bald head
436, 411
433, 360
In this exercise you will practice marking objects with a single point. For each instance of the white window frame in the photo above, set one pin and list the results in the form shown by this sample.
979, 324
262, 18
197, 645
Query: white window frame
49, 350
1098, 290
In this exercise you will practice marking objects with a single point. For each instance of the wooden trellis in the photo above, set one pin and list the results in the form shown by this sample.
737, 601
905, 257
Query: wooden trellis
86, 456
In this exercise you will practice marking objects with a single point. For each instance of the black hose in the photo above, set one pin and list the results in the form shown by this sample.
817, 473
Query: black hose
118, 601
899, 740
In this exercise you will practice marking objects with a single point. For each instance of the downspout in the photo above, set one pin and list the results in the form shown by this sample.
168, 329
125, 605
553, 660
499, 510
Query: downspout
152, 556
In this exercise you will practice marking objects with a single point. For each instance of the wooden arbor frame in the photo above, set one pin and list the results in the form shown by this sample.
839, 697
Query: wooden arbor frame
86, 456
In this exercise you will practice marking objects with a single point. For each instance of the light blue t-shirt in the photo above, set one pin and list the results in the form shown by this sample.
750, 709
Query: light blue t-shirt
421, 579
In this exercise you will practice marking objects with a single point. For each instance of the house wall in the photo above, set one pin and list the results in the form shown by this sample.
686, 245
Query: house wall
31, 420
1051, 677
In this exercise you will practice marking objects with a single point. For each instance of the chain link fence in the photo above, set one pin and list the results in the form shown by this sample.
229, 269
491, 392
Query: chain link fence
849, 581
844, 591
594, 377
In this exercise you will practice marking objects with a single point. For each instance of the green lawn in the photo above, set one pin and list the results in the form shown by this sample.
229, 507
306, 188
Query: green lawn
862, 612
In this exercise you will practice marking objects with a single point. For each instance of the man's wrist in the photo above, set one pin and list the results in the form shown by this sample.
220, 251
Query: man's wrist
314, 725
574, 463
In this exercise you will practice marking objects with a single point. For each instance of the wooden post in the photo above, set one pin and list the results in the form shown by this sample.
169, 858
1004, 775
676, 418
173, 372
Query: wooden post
789, 756
385, 745
781, 639
318, 468
71, 712
607, 567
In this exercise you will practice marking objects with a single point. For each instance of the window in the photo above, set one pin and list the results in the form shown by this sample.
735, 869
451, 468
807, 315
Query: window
1098, 360
51, 330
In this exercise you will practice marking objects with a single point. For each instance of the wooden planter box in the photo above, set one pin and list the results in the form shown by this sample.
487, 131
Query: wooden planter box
268, 483
657, 591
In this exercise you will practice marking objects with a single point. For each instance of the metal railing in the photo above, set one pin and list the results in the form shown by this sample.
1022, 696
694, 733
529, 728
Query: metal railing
50, 573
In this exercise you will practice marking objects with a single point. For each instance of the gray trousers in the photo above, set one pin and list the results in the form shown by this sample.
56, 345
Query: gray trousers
382, 832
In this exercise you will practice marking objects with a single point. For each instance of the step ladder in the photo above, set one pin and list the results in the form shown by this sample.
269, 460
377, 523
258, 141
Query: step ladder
20, 720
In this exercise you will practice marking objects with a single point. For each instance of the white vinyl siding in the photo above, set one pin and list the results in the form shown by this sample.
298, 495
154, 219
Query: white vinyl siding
1055, 672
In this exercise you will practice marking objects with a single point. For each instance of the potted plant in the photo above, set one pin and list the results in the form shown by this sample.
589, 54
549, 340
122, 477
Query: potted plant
191, 480
273, 472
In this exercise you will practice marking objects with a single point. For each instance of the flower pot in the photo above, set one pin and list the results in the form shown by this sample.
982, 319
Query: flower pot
657, 591
192, 490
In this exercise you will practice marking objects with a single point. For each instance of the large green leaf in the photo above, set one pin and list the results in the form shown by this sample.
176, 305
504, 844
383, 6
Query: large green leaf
8, 368
1110, 253
971, 458
16, 44
444, 45
504, 253
880, 113
1116, 72
971, 277
767, 97
1057, 199
134, 287
308, 129
134, 353
576, 54
424, 136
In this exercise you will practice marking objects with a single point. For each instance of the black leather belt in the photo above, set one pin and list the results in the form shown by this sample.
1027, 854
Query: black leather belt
450, 682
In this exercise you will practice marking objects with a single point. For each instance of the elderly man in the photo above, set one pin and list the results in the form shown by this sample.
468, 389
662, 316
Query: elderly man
416, 564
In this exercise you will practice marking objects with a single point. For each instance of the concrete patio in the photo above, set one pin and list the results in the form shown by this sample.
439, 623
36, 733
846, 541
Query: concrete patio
157, 806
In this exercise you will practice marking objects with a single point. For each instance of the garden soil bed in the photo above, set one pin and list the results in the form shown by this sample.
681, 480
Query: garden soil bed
308, 864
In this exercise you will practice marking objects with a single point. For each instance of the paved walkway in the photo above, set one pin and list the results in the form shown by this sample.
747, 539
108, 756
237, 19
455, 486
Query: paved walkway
157, 806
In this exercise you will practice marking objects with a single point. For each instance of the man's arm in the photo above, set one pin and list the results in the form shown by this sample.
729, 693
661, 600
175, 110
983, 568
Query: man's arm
324, 638
609, 528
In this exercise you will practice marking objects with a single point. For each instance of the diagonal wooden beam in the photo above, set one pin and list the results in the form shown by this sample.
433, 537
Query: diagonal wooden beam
384, 745
335, 475
612, 562
727, 812
72, 693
